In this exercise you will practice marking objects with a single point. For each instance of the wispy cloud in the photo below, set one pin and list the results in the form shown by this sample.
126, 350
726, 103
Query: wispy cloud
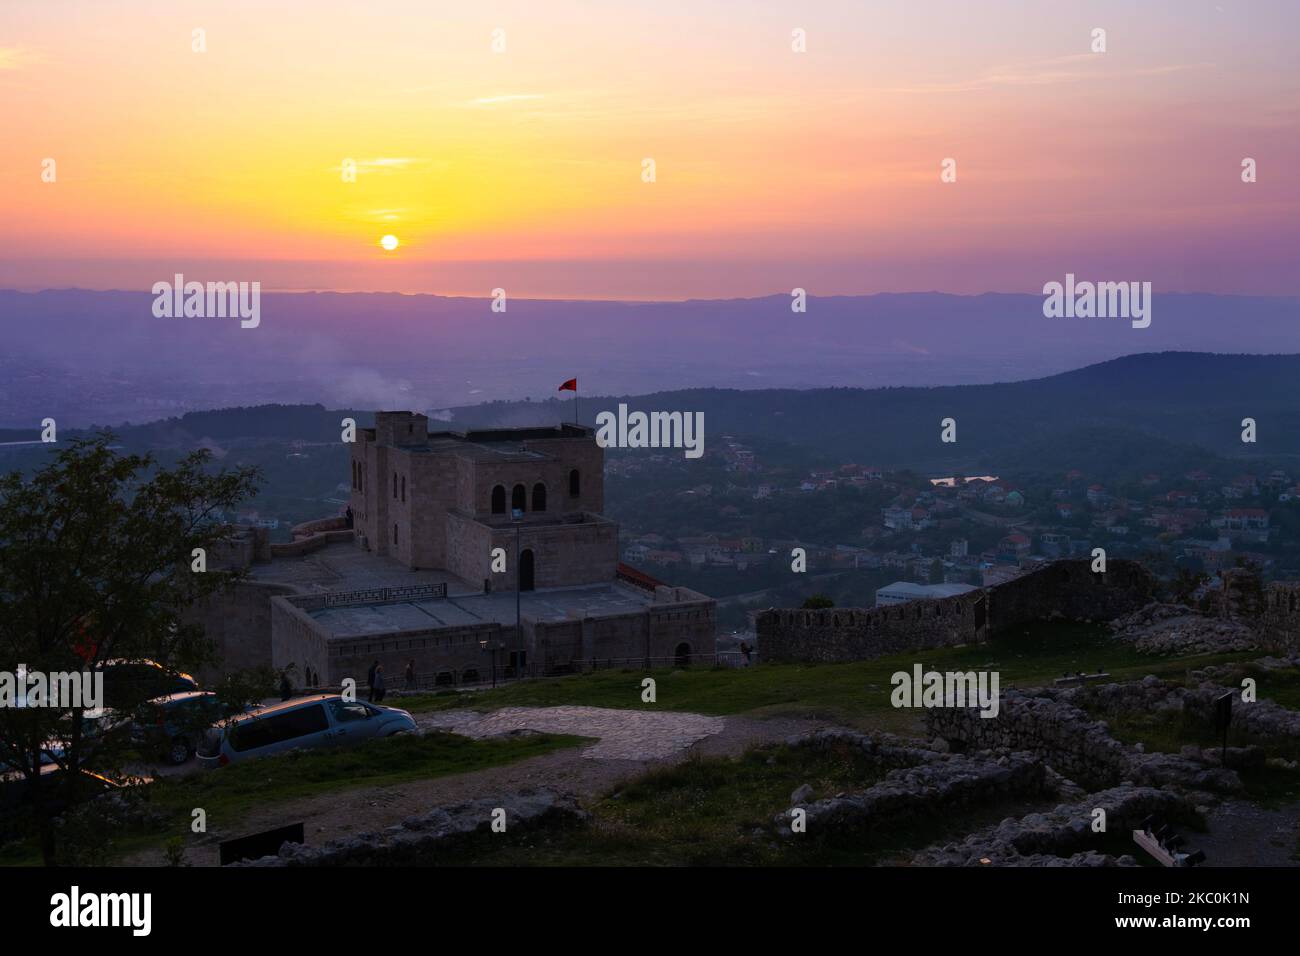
1061, 69
15, 57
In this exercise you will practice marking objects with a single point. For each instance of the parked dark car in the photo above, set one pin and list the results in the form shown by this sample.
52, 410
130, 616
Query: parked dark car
16, 796
174, 725
128, 683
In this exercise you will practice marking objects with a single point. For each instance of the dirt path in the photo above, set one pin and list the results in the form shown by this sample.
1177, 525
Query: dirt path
631, 742
1243, 834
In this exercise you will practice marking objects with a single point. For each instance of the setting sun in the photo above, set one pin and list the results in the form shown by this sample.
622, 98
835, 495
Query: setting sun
389, 242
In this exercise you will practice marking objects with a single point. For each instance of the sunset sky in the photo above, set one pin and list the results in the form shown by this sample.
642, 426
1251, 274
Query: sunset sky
522, 169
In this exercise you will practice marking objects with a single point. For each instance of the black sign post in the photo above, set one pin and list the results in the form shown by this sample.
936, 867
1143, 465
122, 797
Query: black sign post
1222, 718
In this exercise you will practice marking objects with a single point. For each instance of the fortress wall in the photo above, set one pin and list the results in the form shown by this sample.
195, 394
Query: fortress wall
1070, 589
1063, 588
856, 634
238, 621
689, 620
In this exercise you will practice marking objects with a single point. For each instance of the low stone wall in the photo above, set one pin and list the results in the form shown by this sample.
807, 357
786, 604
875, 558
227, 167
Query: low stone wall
309, 543
319, 525
1062, 589
417, 841
922, 783
1074, 744
1259, 718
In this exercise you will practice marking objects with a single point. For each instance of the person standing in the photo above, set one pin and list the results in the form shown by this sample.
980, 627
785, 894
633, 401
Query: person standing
377, 691
370, 680
410, 674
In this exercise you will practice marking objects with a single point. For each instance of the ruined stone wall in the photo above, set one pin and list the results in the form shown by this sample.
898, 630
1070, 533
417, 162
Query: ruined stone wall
1280, 619
1070, 589
1071, 742
1066, 589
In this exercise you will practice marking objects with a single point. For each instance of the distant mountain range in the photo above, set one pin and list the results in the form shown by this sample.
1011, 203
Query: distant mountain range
102, 356
1136, 412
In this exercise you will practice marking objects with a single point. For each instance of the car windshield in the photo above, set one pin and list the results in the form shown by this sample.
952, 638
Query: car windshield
345, 711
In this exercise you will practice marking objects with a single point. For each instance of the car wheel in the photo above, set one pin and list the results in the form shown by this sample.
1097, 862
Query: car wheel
179, 752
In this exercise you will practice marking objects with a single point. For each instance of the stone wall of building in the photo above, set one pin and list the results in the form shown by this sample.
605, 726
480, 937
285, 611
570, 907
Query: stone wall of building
238, 621
680, 624
565, 553
452, 651
1066, 589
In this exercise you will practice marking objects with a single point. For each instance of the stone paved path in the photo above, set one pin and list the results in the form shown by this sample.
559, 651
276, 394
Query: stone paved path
624, 734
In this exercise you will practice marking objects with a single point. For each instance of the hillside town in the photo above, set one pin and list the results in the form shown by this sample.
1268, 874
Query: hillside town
976, 530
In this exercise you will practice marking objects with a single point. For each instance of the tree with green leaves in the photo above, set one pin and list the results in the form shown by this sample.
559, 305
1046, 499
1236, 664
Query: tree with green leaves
98, 564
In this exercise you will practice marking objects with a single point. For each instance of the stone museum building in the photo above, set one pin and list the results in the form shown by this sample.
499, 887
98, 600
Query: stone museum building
469, 553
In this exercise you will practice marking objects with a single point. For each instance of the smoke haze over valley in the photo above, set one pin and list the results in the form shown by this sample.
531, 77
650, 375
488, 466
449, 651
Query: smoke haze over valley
102, 357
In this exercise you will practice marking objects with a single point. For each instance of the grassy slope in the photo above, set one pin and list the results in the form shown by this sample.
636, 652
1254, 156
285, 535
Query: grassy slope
228, 795
856, 694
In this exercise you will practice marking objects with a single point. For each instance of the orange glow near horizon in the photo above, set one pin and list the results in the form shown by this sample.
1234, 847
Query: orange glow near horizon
241, 152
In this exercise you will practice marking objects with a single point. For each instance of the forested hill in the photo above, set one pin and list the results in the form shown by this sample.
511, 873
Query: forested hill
1159, 404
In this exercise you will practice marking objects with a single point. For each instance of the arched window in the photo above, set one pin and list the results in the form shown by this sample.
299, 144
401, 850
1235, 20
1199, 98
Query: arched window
519, 498
394, 534
394, 484
575, 484
499, 500
527, 570
539, 497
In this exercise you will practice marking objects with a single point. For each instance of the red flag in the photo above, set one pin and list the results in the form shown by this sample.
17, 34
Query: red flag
570, 386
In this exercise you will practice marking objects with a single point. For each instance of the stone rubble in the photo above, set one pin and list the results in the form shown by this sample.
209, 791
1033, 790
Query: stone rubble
1064, 835
1163, 629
